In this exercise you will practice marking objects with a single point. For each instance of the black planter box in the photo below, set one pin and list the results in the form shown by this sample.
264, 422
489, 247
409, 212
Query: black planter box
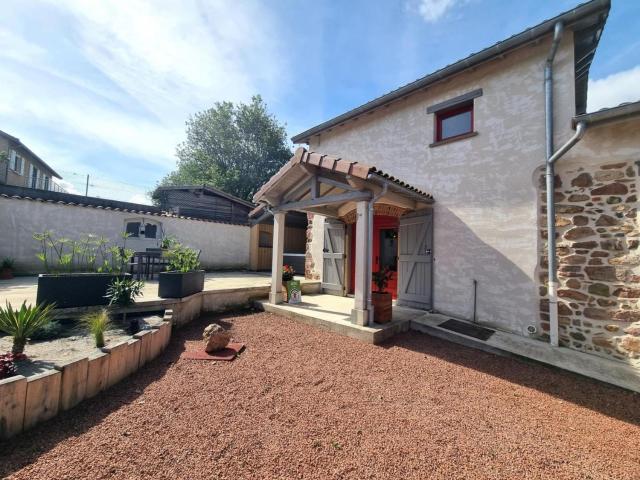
76, 289
179, 285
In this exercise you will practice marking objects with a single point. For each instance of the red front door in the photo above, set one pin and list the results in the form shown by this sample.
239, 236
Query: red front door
385, 251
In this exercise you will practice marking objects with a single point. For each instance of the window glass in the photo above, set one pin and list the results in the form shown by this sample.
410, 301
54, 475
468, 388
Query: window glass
455, 125
150, 230
133, 229
389, 249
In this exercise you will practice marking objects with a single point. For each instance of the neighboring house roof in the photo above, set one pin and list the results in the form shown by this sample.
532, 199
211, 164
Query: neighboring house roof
587, 20
207, 189
22, 145
605, 115
334, 165
22, 193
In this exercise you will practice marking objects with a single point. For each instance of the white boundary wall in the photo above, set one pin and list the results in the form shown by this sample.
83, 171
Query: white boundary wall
222, 245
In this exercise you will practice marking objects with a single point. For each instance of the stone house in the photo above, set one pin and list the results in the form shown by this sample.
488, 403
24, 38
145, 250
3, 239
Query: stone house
442, 181
20, 167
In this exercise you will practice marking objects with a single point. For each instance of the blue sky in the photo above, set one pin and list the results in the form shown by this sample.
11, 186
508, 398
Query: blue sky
104, 87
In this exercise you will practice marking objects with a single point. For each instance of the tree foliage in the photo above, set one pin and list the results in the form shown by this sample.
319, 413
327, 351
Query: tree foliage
233, 147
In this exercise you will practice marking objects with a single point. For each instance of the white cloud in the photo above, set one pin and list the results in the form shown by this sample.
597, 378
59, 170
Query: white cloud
139, 198
128, 74
613, 90
433, 10
68, 186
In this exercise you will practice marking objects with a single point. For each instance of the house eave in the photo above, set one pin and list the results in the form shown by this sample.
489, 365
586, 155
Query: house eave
576, 19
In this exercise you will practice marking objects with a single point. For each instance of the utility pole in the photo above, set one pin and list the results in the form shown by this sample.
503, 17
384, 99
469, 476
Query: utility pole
86, 189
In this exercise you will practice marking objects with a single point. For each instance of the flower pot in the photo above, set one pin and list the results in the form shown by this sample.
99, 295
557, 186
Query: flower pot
180, 284
382, 307
6, 274
285, 294
69, 290
294, 292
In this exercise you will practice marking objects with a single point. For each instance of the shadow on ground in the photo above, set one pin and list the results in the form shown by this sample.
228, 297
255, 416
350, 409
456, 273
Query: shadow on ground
31, 444
586, 392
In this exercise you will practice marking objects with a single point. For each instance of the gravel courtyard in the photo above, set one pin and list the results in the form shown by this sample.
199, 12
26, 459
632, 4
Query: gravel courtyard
304, 403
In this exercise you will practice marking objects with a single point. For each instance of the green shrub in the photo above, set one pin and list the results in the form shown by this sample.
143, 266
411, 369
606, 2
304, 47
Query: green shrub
183, 259
123, 292
89, 253
50, 331
7, 263
23, 323
97, 323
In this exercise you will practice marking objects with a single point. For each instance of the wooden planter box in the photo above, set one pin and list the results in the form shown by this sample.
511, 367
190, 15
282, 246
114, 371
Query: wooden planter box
382, 307
180, 285
70, 290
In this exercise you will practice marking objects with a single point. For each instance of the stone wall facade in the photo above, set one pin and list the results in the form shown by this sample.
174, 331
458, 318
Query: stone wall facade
598, 259
310, 271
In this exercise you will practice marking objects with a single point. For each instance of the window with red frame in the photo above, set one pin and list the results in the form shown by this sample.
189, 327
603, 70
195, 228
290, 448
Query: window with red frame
454, 122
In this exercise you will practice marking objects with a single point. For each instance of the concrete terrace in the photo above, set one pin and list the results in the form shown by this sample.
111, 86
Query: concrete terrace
21, 289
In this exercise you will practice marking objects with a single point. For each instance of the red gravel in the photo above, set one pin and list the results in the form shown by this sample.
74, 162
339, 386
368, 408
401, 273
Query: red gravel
305, 403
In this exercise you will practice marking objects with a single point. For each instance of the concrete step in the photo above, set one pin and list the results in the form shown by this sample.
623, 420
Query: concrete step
512, 345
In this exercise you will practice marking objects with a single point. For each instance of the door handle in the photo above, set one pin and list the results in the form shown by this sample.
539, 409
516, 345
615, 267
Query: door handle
325, 250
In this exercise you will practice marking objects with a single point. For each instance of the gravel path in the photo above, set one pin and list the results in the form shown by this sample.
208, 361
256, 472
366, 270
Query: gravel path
304, 403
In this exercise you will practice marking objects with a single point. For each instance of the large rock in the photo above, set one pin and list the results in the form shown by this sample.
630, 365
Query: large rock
215, 338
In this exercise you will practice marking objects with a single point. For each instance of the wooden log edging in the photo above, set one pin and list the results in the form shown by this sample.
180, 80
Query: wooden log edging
27, 401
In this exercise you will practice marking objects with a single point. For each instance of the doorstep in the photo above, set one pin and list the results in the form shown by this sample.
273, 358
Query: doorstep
509, 344
338, 321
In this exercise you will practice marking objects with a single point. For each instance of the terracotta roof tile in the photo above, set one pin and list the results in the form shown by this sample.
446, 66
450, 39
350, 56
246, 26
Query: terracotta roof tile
333, 164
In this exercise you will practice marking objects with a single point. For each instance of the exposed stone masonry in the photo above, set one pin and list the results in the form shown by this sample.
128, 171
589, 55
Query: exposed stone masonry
598, 260
310, 272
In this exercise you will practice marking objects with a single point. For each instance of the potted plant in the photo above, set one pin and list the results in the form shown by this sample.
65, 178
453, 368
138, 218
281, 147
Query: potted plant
6, 268
288, 273
183, 276
381, 300
78, 272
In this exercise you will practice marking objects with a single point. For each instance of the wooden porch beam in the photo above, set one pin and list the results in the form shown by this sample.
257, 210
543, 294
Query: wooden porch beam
327, 200
298, 191
325, 211
338, 184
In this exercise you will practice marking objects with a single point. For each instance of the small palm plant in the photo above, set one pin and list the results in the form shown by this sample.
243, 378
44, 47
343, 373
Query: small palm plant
123, 292
97, 323
23, 323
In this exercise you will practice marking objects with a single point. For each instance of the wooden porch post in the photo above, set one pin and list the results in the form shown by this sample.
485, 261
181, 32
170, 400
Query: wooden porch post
360, 314
277, 258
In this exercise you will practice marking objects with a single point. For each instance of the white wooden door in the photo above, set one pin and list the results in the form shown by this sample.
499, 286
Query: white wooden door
415, 260
333, 258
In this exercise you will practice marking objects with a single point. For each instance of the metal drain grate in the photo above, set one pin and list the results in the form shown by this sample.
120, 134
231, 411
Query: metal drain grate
467, 329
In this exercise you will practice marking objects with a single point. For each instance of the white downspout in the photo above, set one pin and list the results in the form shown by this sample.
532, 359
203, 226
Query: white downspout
550, 174
554, 334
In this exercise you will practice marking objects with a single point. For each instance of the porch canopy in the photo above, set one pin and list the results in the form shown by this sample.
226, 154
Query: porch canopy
343, 190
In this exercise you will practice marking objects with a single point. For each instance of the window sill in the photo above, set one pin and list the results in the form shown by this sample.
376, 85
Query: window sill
17, 172
453, 139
